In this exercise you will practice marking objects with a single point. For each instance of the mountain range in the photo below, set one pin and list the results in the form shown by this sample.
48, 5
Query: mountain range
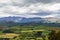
27, 20
16, 21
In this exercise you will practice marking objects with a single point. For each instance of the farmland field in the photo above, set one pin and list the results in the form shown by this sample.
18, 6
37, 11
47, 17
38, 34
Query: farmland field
27, 32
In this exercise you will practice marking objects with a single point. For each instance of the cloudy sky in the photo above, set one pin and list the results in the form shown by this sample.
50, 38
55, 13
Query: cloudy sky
30, 8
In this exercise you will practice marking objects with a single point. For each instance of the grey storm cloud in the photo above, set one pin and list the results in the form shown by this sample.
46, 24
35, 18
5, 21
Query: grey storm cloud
22, 3
28, 2
36, 1
42, 13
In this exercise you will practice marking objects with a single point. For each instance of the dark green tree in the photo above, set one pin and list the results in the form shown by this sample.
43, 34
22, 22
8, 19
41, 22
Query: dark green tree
52, 35
58, 36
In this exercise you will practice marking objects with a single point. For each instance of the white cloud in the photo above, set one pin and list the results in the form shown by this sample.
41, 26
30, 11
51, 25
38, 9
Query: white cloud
25, 8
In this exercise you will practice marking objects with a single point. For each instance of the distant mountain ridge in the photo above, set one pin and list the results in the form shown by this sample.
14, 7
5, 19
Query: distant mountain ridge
27, 20
52, 20
17, 21
21, 19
